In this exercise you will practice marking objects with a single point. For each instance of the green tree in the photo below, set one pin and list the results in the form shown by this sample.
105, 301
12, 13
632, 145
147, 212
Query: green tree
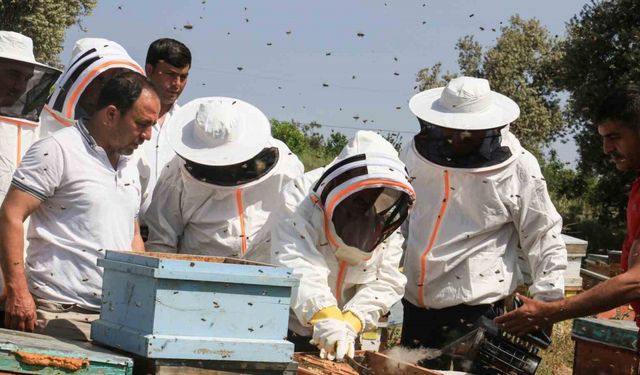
44, 21
289, 133
336, 142
520, 65
600, 52
306, 141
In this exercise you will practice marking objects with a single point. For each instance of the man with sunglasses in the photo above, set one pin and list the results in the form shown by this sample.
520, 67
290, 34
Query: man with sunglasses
339, 232
215, 196
482, 216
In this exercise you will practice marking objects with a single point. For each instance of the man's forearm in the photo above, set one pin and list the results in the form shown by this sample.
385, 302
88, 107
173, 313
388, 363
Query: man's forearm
12, 252
610, 294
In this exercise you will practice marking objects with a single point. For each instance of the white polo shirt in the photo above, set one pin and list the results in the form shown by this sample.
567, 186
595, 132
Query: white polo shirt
157, 153
87, 207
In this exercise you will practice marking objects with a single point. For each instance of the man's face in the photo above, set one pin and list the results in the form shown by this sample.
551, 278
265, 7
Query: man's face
622, 144
464, 142
169, 80
89, 98
134, 127
14, 77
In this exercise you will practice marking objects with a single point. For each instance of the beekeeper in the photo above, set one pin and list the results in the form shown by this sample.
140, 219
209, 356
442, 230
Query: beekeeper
93, 61
215, 196
24, 87
339, 232
482, 203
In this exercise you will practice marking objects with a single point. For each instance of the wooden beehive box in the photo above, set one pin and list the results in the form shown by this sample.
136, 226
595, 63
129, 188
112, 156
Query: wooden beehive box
576, 251
30, 353
194, 307
604, 347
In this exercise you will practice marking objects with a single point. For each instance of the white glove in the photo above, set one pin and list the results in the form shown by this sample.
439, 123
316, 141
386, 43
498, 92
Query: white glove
335, 339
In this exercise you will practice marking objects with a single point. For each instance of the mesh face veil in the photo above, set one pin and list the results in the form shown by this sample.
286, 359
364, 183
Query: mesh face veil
461, 148
235, 174
367, 217
365, 198
24, 88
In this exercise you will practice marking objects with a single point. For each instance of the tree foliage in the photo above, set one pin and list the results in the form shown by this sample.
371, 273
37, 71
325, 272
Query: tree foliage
520, 65
305, 140
44, 21
600, 52
312, 147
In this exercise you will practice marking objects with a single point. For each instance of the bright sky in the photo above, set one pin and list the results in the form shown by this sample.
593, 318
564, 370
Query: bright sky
287, 50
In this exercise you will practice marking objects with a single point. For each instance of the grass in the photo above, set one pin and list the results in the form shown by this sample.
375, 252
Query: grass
558, 359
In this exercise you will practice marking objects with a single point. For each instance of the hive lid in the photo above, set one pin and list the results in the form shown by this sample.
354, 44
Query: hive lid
575, 245
618, 333
198, 268
41, 345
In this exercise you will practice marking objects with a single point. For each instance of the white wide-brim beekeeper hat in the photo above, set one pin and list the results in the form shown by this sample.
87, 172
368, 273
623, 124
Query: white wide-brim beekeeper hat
218, 131
466, 103
18, 47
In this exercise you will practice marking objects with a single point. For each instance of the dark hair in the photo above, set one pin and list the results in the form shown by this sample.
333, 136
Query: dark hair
123, 89
170, 51
623, 105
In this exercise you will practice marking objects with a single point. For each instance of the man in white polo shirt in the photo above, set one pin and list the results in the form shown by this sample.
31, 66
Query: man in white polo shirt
81, 188
167, 66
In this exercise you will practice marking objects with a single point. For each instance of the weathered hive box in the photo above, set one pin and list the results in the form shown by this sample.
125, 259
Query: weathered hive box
576, 250
193, 307
604, 347
30, 353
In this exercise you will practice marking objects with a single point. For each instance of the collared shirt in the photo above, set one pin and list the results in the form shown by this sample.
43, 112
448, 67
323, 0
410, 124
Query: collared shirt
157, 153
87, 207
633, 233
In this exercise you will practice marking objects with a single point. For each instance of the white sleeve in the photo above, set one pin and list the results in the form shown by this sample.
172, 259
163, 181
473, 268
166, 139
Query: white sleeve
164, 215
293, 245
40, 171
539, 226
374, 299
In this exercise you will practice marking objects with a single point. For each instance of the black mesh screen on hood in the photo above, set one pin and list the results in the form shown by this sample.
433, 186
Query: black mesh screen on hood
455, 148
24, 88
235, 174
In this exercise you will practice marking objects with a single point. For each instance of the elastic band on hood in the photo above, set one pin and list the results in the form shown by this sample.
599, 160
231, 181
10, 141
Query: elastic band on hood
90, 57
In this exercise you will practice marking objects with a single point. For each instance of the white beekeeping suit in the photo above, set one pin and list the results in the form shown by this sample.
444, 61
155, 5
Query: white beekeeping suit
216, 196
482, 207
339, 232
24, 87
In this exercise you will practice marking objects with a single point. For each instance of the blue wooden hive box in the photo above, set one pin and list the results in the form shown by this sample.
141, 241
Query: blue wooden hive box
31, 353
194, 307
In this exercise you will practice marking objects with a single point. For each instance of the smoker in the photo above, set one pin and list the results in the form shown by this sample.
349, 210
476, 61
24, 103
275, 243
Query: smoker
490, 350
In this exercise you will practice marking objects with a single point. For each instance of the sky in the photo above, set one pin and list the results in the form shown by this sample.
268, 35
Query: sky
344, 64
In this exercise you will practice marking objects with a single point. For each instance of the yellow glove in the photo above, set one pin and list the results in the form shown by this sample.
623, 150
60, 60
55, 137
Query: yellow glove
332, 312
334, 336
353, 321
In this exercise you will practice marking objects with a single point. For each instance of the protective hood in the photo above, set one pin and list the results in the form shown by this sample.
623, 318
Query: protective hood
368, 163
25, 83
90, 57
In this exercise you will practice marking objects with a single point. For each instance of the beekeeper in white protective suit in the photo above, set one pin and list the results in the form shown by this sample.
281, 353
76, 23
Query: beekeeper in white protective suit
482, 203
215, 196
339, 232
24, 87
